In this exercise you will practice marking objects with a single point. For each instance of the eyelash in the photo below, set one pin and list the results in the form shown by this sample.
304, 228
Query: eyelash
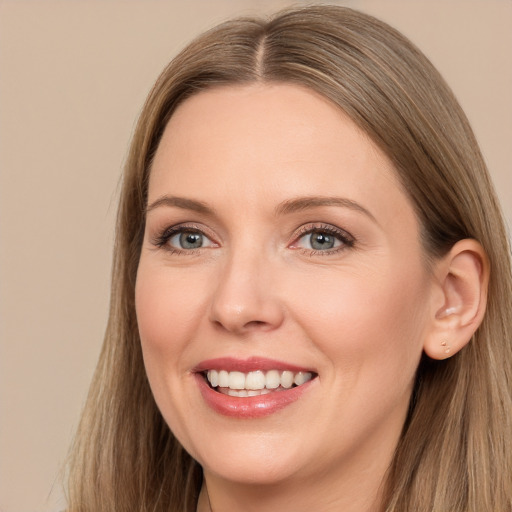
346, 239
162, 240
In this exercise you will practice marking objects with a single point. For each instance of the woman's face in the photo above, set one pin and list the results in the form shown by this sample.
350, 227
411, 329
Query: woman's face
279, 247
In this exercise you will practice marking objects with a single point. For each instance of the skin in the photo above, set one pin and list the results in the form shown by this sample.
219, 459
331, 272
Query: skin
358, 314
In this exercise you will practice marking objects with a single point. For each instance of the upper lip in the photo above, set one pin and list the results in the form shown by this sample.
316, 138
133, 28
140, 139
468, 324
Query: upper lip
251, 364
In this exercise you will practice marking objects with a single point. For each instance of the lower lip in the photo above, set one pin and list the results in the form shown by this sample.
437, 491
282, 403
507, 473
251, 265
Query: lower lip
252, 406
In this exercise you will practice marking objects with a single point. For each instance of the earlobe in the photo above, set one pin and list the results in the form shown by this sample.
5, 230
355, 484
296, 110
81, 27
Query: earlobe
463, 277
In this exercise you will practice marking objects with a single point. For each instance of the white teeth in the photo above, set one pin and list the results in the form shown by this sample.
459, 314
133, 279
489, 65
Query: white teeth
301, 377
213, 377
223, 379
257, 382
286, 379
254, 380
236, 380
236, 392
273, 379
245, 392
257, 392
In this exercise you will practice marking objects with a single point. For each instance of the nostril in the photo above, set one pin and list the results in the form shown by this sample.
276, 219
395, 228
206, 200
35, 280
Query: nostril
257, 325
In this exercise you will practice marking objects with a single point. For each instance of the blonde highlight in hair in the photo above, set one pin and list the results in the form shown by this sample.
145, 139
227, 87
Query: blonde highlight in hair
455, 450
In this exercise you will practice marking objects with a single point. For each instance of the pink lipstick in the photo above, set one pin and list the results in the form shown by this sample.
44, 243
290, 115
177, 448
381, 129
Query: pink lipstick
251, 388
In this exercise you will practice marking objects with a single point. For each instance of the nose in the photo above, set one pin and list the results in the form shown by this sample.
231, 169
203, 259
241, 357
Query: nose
244, 298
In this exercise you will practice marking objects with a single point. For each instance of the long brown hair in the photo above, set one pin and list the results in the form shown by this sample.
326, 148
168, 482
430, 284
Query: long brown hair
455, 451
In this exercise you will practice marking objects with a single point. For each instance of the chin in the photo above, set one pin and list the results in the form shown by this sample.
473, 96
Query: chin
258, 459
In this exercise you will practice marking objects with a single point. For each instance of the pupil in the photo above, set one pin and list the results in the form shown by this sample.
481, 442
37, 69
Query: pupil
321, 241
191, 240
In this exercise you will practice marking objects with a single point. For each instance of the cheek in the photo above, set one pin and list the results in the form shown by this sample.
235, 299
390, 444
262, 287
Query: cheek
370, 330
168, 310
367, 320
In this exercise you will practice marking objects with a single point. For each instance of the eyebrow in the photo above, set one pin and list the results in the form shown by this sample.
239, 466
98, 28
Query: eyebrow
304, 203
286, 207
181, 202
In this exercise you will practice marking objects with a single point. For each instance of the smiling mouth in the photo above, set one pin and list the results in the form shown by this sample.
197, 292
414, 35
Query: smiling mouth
255, 383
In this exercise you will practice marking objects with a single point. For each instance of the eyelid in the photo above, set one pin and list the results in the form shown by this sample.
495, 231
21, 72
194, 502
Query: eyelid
346, 239
162, 238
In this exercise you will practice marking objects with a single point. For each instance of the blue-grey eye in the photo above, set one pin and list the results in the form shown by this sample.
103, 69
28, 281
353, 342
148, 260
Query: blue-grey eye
189, 240
321, 241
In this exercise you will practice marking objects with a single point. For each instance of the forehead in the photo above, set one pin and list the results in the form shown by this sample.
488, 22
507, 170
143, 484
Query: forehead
274, 141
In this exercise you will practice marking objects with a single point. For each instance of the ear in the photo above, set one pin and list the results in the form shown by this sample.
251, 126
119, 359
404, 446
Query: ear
458, 307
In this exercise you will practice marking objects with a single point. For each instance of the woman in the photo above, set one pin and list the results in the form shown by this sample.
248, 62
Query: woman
311, 295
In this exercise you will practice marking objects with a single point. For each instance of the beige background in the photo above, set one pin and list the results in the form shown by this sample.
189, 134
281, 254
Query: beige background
73, 76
